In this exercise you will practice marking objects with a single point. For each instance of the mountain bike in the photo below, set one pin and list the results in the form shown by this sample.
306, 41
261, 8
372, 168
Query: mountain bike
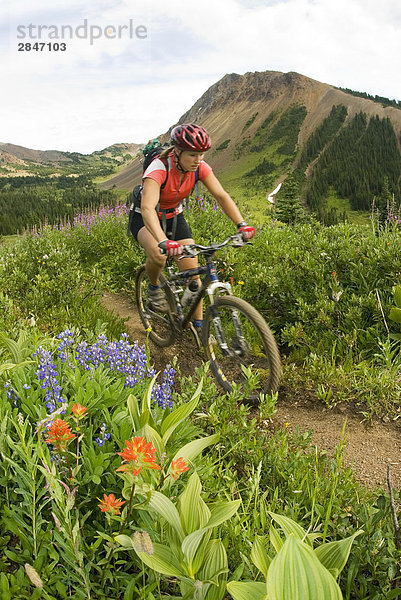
235, 337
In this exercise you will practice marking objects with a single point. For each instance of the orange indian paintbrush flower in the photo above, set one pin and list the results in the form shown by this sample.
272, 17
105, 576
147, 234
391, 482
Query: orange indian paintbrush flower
59, 434
138, 454
110, 504
177, 467
78, 410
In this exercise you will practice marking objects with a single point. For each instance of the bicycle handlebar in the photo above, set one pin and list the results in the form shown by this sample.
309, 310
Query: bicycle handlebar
194, 249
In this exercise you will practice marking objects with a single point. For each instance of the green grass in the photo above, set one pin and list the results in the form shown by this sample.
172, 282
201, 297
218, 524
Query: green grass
250, 192
344, 205
238, 168
8, 239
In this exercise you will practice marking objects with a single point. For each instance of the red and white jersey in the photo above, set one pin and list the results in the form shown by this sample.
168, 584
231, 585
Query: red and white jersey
178, 185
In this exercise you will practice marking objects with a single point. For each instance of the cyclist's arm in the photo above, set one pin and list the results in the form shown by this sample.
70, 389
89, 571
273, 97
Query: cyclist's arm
223, 198
150, 199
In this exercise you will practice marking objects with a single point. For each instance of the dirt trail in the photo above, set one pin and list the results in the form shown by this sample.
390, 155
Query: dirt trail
369, 448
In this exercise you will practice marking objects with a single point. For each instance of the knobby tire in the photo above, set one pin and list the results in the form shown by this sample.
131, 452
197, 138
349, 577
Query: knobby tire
261, 352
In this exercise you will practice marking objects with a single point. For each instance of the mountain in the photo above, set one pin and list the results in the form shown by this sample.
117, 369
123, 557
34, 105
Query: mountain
22, 164
119, 150
265, 125
37, 156
56, 156
9, 159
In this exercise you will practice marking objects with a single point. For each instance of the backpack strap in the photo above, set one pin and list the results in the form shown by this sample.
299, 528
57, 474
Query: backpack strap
136, 196
167, 164
196, 182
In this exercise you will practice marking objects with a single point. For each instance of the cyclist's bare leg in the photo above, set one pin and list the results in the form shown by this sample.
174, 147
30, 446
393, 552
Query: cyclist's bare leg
154, 260
188, 262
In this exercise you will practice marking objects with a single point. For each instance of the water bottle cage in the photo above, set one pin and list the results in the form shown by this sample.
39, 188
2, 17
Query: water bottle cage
190, 293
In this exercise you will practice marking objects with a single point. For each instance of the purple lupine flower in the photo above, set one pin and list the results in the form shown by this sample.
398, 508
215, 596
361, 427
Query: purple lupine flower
103, 436
82, 355
11, 394
162, 392
121, 356
87, 221
97, 352
48, 375
67, 340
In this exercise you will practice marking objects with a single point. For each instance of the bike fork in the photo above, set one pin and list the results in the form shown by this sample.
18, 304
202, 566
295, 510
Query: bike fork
212, 290
238, 329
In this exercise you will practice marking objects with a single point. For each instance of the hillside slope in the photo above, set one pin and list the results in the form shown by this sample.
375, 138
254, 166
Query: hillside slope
38, 156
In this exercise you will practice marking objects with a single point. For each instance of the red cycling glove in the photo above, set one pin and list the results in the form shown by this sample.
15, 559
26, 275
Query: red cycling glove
170, 248
247, 230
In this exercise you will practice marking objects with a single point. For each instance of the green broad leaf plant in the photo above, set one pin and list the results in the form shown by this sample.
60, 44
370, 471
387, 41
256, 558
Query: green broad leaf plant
193, 556
158, 432
17, 352
191, 552
298, 571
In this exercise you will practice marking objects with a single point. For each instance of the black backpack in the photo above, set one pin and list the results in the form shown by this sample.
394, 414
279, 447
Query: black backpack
150, 152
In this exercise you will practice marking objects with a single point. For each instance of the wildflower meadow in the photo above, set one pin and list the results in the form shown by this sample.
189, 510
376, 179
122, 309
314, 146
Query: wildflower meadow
120, 482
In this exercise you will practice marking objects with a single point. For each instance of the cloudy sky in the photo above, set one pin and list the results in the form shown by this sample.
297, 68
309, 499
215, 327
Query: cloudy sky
131, 68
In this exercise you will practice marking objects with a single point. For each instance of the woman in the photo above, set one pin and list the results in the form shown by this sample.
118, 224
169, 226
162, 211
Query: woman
160, 227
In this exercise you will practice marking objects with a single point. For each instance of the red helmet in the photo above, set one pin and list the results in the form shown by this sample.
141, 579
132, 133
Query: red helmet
189, 136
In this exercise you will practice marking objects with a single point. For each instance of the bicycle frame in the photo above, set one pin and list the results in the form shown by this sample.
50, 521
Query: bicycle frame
231, 325
210, 286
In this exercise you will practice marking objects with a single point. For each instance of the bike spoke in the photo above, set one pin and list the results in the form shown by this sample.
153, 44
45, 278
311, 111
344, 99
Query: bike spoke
241, 347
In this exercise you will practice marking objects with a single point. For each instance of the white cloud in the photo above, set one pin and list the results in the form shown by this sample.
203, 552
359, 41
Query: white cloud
130, 89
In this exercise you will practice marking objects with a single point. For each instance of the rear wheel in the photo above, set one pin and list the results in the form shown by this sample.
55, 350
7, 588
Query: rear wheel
235, 338
159, 324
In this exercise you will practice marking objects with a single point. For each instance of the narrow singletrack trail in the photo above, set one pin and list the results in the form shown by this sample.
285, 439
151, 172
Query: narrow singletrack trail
369, 448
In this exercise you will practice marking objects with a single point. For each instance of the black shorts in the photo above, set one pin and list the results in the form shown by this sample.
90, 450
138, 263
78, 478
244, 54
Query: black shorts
182, 231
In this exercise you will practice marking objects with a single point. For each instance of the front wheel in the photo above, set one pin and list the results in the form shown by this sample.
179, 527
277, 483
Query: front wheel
241, 348
159, 324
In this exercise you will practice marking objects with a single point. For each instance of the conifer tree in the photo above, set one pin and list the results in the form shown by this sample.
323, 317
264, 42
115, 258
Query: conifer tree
384, 202
289, 207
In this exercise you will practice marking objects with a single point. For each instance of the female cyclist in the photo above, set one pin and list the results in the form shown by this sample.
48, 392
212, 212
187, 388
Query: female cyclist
160, 226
